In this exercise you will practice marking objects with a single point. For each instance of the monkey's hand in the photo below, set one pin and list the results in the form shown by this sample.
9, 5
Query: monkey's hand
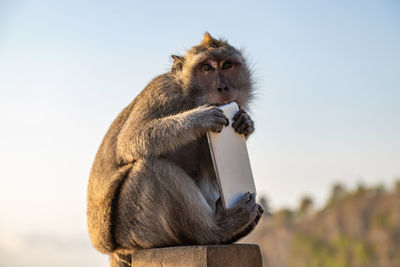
242, 123
210, 118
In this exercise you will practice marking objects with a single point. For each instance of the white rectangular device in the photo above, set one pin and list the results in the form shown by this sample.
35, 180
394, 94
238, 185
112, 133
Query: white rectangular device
231, 160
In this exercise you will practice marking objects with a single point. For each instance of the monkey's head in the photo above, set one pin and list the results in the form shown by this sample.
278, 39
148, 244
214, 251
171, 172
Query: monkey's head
214, 72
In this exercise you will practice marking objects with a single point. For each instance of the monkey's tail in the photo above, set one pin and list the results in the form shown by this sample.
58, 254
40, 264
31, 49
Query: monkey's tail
120, 260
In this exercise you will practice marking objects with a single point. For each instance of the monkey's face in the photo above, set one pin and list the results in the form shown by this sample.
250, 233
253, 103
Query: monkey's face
220, 80
215, 73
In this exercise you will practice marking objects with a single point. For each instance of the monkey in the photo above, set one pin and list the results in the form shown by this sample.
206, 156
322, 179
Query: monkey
152, 182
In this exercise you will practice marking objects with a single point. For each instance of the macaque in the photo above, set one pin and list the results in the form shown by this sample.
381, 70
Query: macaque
152, 183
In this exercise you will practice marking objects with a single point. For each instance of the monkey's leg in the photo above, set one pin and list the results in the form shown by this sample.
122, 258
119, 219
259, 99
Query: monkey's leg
160, 205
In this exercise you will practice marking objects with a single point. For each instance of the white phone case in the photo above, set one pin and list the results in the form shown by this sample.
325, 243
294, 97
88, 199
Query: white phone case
231, 160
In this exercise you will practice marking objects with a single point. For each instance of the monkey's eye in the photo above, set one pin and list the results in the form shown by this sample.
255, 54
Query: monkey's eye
206, 67
227, 65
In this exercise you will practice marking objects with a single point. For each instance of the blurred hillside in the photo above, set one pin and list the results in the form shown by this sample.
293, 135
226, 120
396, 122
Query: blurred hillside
357, 228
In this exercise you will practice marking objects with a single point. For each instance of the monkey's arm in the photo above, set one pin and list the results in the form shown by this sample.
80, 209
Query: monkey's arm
161, 135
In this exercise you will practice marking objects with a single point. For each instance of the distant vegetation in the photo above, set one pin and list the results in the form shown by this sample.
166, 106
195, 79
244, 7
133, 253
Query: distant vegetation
356, 228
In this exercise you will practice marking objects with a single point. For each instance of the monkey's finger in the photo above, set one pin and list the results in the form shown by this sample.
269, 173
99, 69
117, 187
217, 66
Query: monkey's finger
252, 204
251, 198
218, 124
241, 128
253, 195
240, 112
222, 116
217, 112
257, 219
216, 129
245, 127
222, 120
245, 198
244, 117
249, 130
245, 202
246, 206
260, 209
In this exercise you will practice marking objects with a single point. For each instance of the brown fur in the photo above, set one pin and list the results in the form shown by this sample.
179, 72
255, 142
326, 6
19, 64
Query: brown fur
152, 183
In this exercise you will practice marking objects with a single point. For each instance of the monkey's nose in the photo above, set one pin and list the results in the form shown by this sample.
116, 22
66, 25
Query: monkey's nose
222, 88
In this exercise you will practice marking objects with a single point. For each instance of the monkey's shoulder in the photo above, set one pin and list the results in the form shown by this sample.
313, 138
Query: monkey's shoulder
162, 86
163, 96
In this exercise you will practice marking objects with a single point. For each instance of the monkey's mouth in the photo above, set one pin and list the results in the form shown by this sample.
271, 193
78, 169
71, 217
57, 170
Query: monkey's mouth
223, 99
226, 102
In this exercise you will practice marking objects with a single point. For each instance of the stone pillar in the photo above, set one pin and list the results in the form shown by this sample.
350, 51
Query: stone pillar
237, 255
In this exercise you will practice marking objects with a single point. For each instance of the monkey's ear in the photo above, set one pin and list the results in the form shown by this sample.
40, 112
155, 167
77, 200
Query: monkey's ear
177, 65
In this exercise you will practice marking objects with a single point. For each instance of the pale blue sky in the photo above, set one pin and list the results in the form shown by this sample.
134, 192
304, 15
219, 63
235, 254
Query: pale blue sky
328, 103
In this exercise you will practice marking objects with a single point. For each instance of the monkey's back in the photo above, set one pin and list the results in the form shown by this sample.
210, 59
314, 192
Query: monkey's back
109, 171
105, 179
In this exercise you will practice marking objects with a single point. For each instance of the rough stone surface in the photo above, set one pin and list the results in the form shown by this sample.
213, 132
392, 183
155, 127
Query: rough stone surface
238, 255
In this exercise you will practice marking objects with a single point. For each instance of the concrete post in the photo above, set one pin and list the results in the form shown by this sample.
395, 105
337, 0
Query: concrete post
237, 255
